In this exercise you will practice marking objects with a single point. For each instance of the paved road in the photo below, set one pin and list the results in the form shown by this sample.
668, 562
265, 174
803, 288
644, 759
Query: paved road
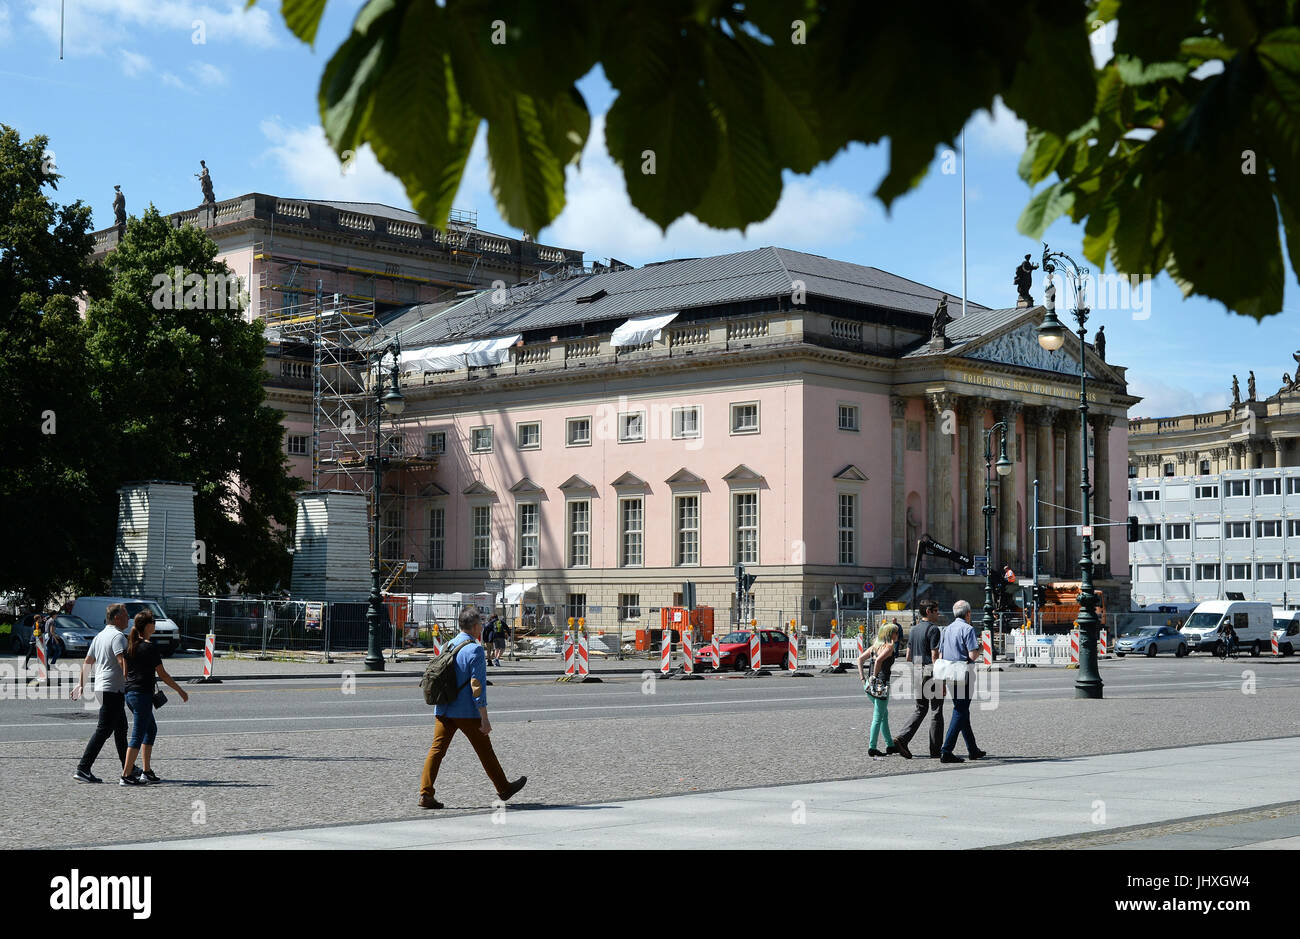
257, 755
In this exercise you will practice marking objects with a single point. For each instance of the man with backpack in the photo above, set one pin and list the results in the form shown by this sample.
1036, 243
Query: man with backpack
455, 684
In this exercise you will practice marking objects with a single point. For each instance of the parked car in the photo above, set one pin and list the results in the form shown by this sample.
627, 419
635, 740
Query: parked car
733, 649
1251, 620
1151, 641
1286, 627
167, 635
75, 632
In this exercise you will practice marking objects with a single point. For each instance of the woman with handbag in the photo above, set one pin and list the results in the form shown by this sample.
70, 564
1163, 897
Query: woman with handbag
143, 663
881, 656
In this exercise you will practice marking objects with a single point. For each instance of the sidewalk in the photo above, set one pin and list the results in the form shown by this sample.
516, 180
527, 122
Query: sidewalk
1115, 799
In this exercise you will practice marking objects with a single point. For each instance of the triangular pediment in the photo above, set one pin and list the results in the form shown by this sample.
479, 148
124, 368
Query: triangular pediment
743, 474
684, 477
1019, 346
851, 473
629, 480
525, 485
476, 488
576, 483
432, 491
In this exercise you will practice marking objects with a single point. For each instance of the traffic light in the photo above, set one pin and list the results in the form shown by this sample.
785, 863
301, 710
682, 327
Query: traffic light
1040, 594
1133, 531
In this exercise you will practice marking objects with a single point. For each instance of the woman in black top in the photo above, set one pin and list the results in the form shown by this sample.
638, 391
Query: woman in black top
143, 662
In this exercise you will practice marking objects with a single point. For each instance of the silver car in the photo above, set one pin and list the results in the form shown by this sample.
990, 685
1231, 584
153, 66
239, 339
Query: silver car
75, 632
1152, 641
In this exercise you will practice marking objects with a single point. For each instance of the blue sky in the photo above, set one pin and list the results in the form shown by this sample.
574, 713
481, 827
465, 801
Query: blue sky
147, 88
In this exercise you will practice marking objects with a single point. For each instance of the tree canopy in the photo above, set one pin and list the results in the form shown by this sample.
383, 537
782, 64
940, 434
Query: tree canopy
1182, 153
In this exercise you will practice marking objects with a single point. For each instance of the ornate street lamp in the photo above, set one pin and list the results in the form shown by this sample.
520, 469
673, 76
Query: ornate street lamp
1004, 467
1051, 336
388, 398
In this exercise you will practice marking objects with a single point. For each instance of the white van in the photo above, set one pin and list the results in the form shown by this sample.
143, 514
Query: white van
1286, 627
167, 634
1251, 620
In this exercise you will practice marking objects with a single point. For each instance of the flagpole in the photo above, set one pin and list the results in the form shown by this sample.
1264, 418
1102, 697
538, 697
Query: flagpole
963, 221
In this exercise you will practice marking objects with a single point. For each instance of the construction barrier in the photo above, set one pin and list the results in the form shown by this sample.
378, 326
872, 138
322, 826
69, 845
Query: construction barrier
715, 651
569, 664
41, 673
986, 647
1275, 647
584, 664
835, 649
666, 647
688, 650
817, 652
1041, 650
1101, 643
755, 651
209, 642
793, 654
1074, 647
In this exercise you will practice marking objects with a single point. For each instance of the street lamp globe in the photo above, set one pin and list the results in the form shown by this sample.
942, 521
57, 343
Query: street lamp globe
1051, 333
394, 403
1003, 465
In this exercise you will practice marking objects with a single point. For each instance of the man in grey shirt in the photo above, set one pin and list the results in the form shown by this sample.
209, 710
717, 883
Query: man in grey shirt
959, 644
922, 650
107, 655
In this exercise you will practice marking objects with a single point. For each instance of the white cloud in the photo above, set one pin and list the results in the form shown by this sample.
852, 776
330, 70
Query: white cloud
999, 132
91, 27
310, 169
599, 217
134, 64
5, 29
174, 81
208, 73
1160, 399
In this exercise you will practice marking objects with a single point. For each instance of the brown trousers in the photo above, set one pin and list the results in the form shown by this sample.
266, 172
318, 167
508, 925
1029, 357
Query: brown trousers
444, 729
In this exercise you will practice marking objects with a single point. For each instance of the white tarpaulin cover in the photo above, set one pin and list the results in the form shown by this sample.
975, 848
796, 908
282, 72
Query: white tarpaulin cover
515, 592
641, 329
458, 355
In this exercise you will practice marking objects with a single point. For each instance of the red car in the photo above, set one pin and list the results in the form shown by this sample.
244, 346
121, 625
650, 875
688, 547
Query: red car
733, 649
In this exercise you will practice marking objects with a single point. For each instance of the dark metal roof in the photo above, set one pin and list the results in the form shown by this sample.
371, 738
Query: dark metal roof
974, 325
763, 273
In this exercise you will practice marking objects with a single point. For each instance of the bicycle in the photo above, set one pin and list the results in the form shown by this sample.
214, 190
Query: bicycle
1224, 649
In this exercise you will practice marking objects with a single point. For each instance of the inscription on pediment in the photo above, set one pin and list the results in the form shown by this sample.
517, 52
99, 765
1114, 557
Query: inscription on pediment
1020, 347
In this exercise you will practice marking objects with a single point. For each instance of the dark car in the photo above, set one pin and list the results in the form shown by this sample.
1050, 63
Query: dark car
733, 650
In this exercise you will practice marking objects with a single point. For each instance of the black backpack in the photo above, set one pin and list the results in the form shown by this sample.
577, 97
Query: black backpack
439, 681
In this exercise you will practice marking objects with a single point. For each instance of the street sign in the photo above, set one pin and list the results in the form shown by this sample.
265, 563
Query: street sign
412, 567
1085, 531
490, 586
595, 609
869, 589
814, 604
869, 595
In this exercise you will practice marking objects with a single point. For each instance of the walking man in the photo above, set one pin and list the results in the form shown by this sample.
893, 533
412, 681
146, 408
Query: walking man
958, 646
108, 656
922, 650
468, 714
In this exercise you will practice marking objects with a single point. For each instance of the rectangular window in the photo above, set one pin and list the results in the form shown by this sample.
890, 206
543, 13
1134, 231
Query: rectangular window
1207, 572
1207, 531
848, 528
849, 417
392, 535
580, 533
529, 436
1207, 492
1269, 529
576, 607
297, 445
1169, 469
1237, 487
1268, 486
1178, 572
688, 529
631, 427
686, 422
629, 606
1268, 571
1132, 471
1293, 570
1238, 572
744, 418
436, 443
529, 534
745, 520
577, 432
1293, 528
1150, 533
480, 518
631, 543
1292, 485
1205, 467
1148, 495
1179, 531
438, 538
480, 440
1236, 529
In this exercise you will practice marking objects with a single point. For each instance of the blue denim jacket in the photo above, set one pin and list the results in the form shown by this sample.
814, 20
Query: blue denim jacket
471, 663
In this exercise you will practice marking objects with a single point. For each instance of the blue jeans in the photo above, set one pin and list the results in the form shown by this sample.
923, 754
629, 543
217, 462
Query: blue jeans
145, 729
880, 722
960, 722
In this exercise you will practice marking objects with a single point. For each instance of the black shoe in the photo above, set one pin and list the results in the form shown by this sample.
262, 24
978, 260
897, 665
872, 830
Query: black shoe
892, 748
151, 776
430, 803
83, 776
950, 758
902, 749
130, 781
977, 755
514, 788
872, 751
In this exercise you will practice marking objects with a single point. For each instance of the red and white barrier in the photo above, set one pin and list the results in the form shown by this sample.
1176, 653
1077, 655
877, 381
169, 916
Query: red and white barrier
1276, 651
688, 650
755, 650
793, 655
1074, 647
41, 673
568, 652
666, 651
986, 647
715, 652
209, 644
1101, 639
584, 664
835, 649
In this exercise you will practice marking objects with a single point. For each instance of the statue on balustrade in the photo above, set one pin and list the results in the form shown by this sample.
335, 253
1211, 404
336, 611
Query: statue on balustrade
1236, 392
205, 182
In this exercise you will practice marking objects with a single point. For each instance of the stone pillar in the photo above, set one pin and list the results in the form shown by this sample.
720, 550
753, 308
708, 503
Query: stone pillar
931, 468
1061, 517
1007, 536
1279, 447
945, 430
898, 484
1074, 456
974, 409
1045, 470
1235, 450
1101, 426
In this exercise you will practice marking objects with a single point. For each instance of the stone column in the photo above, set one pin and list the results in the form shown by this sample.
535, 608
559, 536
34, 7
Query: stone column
974, 416
1235, 450
1279, 449
1007, 536
1073, 493
945, 430
1045, 469
1101, 426
1061, 517
898, 485
931, 468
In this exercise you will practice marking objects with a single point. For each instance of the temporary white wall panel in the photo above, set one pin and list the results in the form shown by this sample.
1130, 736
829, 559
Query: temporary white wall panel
155, 527
331, 547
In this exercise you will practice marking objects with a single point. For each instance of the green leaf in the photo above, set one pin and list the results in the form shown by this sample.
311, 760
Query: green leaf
356, 69
1200, 49
1135, 72
1040, 157
1045, 207
302, 17
566, 124
527, 178
1153, 31
1055, 85
790, 116
1099, 231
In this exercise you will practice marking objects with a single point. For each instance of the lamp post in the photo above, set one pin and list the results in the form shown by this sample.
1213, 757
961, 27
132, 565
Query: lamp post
1051, 336
1004, 467
387, 398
